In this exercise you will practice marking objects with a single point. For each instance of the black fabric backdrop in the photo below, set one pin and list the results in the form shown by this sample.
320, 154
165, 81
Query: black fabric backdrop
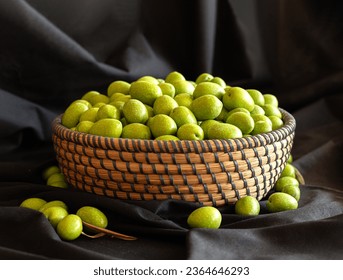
52, 52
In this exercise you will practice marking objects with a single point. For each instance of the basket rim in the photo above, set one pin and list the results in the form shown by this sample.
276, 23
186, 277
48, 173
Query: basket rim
175, 146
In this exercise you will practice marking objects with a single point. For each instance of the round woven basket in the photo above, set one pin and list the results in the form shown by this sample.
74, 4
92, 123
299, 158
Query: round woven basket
209, 172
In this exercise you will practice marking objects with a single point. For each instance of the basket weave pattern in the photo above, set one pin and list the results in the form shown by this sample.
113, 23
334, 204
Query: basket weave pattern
209, 172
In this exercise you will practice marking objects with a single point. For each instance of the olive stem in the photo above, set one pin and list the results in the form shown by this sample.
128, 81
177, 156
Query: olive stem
104, 231
299, 177
100, 234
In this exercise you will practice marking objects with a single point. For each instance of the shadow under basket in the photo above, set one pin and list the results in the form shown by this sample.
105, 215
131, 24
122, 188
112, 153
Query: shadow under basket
208, 172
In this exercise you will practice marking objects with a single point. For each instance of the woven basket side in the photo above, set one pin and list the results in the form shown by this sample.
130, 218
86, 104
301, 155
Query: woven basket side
217, 199
209, 172
176, 168
162, 179
238, 181
117, 168
171, 158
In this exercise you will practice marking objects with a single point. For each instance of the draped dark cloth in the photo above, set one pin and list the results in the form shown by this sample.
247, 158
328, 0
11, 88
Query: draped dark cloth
52, 52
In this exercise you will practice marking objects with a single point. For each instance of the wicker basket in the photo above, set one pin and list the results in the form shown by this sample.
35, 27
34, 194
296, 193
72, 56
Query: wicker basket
209, 172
